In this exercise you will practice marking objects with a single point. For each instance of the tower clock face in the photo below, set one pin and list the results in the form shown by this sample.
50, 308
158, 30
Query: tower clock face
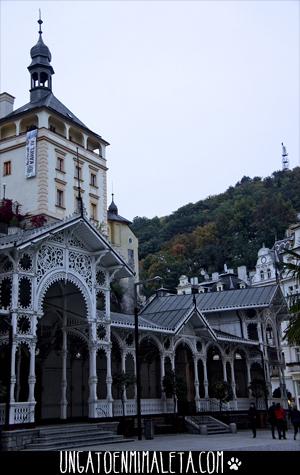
263, 260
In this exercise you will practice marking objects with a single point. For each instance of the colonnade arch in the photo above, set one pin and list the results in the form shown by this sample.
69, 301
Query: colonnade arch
150, 368
214, 367
62, 353
184, 370
240, 374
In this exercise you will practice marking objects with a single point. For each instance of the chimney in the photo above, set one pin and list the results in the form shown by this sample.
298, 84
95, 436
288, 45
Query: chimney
242, 273
215, 276
162, 292
6, 104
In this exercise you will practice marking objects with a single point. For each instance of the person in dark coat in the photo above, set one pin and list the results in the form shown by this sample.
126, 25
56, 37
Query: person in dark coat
252, 414
295, 420
280, 420
272, 419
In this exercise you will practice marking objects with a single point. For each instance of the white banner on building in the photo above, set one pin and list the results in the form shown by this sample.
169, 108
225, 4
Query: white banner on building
30, 159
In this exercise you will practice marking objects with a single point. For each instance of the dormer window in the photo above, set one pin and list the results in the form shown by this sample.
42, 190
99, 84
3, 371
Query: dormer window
262, 275
220, 287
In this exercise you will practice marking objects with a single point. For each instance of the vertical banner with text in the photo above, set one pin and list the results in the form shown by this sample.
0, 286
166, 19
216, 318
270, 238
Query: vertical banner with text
30, 159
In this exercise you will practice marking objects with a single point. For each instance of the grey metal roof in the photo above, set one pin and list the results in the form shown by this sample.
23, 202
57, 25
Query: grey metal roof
51, 102
117, 217
228, 336
170, 310
235, 299
127, 320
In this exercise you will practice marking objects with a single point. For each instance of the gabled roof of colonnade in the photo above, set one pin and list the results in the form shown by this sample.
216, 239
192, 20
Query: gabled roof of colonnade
170, 313
86, 232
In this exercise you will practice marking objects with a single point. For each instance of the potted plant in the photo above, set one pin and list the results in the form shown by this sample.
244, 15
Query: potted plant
38, 220
122, 381
222, 391
14, 225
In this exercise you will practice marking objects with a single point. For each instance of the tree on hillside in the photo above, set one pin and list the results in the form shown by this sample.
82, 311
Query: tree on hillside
229, 227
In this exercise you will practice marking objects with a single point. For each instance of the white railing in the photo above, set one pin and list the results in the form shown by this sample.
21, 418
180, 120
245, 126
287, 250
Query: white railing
131, 407
152, 406
243, 404
118, 408
22, 412
170, 406
102, 408
2, 414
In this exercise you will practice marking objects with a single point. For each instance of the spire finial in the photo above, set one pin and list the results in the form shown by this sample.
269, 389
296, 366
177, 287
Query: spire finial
40, 22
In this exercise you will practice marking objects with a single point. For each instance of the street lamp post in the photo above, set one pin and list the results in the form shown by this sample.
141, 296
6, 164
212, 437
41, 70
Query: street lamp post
137, 356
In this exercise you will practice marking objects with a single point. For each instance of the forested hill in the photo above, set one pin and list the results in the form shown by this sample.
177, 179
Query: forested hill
226, 228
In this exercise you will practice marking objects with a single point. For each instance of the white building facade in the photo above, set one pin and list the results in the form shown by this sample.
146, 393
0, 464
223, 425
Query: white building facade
269, 270
64, 152
60, 342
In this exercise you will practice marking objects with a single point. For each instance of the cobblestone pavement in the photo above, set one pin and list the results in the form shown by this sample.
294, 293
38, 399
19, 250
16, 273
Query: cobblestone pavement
243, 440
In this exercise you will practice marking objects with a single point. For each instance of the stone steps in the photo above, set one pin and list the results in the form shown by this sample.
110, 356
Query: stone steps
73, 436
213, 426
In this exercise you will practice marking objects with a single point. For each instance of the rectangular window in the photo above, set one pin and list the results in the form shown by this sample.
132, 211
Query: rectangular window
6, 168
94, 211
60, 165
93, 179
59, 198
78, 172
297, 351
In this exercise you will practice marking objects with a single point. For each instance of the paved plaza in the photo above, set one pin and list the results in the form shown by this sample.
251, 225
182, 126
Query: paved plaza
242, 441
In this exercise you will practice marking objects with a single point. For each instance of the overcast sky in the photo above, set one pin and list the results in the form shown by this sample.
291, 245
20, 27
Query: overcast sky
191, 95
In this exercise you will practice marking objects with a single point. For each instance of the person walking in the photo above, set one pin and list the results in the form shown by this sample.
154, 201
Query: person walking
295, 420
272, 419
280, 420
252, 414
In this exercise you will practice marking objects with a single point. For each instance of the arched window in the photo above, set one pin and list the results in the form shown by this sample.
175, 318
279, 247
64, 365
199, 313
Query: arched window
262, 275
269, 273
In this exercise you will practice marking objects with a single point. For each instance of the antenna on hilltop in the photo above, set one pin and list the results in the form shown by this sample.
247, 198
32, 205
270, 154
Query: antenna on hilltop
285, 160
